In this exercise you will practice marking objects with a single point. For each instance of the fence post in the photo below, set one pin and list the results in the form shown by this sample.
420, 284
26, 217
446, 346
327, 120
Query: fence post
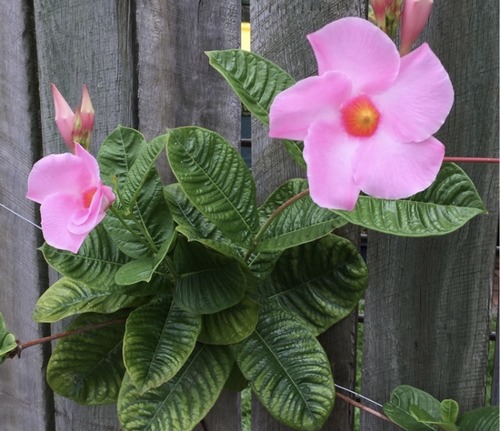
279, 29
23, 275
427, 305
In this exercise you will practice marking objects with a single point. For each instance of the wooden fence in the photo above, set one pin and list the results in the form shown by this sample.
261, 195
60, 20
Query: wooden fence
427, 305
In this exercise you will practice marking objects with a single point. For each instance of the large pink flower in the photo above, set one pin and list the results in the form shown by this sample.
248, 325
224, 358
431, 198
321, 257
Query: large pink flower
72, 197
368, 118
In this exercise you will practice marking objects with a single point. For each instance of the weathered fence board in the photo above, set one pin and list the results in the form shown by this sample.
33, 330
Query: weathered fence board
427, 306
279, 29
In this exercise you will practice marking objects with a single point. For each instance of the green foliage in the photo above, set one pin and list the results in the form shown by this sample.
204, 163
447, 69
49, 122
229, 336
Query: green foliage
7, 340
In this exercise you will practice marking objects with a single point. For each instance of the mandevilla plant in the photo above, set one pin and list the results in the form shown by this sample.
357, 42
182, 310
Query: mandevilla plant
179, 290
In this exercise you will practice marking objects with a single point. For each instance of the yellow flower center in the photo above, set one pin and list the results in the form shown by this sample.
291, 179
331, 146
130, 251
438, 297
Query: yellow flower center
360, 117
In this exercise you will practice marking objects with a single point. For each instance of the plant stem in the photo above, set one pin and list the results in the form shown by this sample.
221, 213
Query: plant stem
273, 215
81, 330
472, 159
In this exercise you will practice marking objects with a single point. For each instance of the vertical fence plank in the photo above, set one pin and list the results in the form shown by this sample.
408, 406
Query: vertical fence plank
25, 400
279, 29
85, 42
427, 305
177, 87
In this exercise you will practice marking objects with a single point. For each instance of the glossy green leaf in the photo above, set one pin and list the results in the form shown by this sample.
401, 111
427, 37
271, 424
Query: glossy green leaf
450, 202
320, 282
300, 222
256, 81
401, 408
67, 297
194, 225
449, 411
88, 367
231, 325
207, 282
216, 180
482, 419
143, 165
262, 263
288, 370
117, 154
159, 337
7, 340
182, 402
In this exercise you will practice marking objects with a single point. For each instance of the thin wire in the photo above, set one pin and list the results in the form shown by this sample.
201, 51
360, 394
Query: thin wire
359, 395
20, 216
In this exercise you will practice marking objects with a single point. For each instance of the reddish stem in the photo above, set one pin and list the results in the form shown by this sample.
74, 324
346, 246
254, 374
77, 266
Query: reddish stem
472, 159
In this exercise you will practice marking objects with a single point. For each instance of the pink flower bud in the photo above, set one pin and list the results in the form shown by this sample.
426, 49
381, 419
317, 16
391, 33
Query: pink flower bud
378, 7
413, 20
64, 117
86, 111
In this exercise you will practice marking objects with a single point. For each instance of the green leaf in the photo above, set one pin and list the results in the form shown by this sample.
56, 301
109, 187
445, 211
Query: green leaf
7, 340
262, 263
288, 370
231, 325
300, 222
87, 367
194, 225
208, 282
116, 155
449, 411
404, 399
67, 297
159, 337
182, 402
450, 202
482, 419
320, 282
256, 81
143, 165
216, 180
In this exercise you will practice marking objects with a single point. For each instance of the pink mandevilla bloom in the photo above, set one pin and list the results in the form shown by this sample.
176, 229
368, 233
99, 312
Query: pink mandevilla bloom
413, 20
367, 119
74, 127
72, 197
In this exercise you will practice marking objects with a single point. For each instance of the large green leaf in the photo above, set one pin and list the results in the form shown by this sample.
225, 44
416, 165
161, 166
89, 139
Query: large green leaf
159, 337
406, 407
116, 155
231, 325
88, 367
320, 282
67, 297
207, 282
482, 419
182, 402
256, 81
288, 370
299, 222
7, 340
194, 225
450, 202
216, 180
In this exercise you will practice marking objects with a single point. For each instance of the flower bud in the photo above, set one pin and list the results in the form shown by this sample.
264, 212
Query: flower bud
385, 14
413, 20
64, 117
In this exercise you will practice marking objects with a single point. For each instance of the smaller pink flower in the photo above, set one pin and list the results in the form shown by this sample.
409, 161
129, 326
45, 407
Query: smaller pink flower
73, 199
413, 20
74, 127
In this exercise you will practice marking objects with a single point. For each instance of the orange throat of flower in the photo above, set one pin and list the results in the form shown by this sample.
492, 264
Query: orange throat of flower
360, 117
88, 195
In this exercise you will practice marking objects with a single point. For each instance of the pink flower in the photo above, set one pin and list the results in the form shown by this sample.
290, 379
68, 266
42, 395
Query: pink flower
413, 20
74, 127
72, 197
367, 120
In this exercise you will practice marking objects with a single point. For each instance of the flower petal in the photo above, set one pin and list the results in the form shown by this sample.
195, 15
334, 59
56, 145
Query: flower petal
309, 100
420, 99
61, 173
359, 49
84, 220
328, 153
389, 169
56, 211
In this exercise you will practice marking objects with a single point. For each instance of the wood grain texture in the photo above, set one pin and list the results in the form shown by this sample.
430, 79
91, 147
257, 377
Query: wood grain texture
25, 400
85, 42
279, 29
427, 306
